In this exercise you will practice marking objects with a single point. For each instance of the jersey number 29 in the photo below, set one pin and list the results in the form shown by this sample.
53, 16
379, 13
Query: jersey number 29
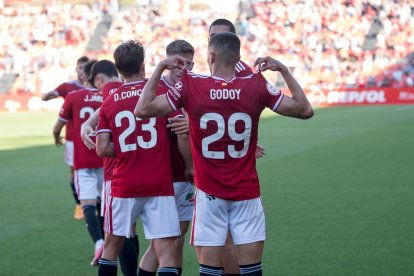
231, 129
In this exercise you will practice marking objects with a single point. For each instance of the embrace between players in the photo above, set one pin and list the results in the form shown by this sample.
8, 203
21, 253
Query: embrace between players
218, 115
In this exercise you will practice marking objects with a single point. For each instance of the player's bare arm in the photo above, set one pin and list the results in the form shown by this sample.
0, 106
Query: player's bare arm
57, 129
184, 147
179, 124
149, 105
260, 151
49, 95
104, 145
88, 129
296, 106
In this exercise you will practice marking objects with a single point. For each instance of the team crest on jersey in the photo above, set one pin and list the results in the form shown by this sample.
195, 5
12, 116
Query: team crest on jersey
178, 85
272, 89
190, 197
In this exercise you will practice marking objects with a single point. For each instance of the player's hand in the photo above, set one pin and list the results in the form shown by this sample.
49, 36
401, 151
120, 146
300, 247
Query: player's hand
179, 124
260, 151
189, 175
59, 141
86, 132
173, 62
268, 63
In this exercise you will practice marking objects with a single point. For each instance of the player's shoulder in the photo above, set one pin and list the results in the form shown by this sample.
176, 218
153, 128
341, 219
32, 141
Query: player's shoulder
193, 75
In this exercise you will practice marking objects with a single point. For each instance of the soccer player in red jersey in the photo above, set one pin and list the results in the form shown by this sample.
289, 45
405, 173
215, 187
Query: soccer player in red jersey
221, 25
78, 106
182, 163
141, 183
61, 91
104, 77
224, 113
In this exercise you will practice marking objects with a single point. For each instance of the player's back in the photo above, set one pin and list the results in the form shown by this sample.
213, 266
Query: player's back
78, 107
65, 88
224, 117
141, 146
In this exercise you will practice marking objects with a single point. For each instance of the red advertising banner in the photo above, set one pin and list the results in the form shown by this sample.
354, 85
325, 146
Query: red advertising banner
362, 96
13, 103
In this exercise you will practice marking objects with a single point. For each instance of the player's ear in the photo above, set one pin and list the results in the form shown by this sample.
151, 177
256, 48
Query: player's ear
191, 66
142, 69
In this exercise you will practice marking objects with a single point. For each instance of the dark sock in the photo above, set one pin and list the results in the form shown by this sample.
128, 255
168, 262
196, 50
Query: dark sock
180, 270
136, 242
142, 272
128, 258
206, 270
167, 271
107, 268
74, 193
251, 269
100, 218
227, 274
92, 222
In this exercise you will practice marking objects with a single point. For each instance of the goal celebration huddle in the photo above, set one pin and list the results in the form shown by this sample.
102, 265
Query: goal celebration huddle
176, 150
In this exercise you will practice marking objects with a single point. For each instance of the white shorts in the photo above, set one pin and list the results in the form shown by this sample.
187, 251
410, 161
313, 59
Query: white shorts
88, 183
69, 153
214, 217
158, 215
184, 199
105, 197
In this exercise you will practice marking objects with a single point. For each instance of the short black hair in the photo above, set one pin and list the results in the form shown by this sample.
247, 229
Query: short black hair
83, 59
226, 47
129, 57
105, 67
225, 22
87, 69
179, 47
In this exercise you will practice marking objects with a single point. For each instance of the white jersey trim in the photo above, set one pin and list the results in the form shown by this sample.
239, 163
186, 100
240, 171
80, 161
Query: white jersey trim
171, 103
104, 130
166, 82
278, 101
63, 119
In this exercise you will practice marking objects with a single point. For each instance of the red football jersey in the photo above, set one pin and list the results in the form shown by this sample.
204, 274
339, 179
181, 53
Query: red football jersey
224, 118
78, 107
62, 91
66, 87
109, 88
177, 161
141, 146
109, 163
242, 69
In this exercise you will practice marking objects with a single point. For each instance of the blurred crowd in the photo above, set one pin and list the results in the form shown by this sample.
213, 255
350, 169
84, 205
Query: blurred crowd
42, 43
321, 41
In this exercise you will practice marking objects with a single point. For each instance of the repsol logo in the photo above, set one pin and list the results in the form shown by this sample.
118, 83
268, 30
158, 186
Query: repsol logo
225, 94
368, 96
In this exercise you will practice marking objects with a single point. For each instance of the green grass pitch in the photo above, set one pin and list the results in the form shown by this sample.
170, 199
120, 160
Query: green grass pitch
338, 193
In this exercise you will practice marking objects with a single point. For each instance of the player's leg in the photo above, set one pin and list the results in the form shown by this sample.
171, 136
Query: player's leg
247, 226
108, 262
160, 222
230, 261
87, 188
149, 262
78, 213
120, 215
184, 199
209, 231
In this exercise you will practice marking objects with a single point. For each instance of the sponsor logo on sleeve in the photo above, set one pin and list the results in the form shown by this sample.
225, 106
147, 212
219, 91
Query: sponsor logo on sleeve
178, 85
272, 89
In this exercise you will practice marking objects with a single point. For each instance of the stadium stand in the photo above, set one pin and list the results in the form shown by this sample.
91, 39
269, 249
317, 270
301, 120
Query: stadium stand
329, 44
